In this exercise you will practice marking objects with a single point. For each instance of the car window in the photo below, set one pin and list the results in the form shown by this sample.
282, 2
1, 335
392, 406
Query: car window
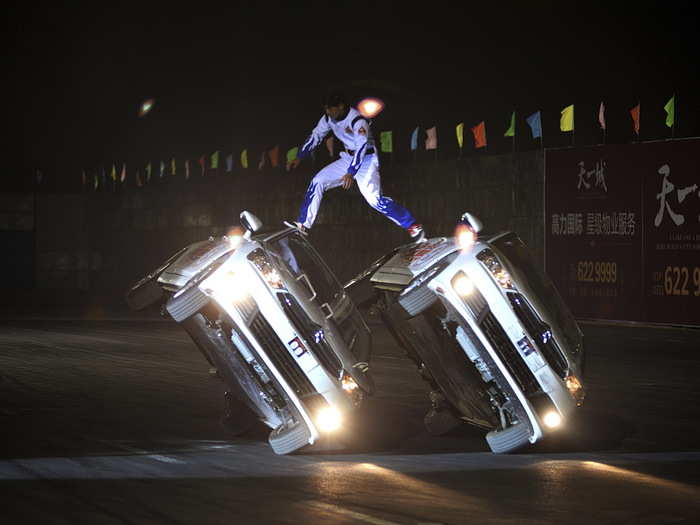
295, 253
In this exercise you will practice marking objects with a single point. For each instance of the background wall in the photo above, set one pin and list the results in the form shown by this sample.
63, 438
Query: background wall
89, 247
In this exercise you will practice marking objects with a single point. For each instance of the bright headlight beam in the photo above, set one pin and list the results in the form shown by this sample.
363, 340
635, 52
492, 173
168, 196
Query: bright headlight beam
463, 285
552, 419
328, 419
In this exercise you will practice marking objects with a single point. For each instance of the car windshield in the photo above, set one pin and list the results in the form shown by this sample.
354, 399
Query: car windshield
296, 255
522, 261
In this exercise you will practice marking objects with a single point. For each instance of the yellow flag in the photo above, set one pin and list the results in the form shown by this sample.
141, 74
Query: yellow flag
567, 118
460, 134
244, 159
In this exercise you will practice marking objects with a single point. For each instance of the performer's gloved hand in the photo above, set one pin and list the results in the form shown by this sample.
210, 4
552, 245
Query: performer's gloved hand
347, 181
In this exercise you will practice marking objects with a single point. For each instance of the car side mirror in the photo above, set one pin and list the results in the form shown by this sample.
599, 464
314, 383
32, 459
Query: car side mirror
250, 223
472, 221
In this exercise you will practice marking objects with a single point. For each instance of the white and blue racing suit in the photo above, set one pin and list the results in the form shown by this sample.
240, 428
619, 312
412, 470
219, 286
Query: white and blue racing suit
359, 159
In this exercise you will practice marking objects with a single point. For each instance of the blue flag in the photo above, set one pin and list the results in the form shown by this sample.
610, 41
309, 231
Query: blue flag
535, 124
229, 163
414, 139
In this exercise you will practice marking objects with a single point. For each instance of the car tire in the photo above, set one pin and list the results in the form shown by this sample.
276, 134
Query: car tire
185, 305
417, 300
286, 440
508, 440
144, 293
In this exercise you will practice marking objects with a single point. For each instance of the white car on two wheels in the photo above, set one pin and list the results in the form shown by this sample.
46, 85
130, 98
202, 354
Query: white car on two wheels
487, 330
276, 325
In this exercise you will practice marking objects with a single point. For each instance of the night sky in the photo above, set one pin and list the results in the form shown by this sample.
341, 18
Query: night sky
235, 75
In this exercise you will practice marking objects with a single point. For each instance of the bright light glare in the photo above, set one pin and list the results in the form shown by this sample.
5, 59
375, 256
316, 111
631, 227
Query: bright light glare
463, 285
328, 419
465, 237
235, 236
228, 286
146, 107
575, 389
370, 107
552, 419
349, 384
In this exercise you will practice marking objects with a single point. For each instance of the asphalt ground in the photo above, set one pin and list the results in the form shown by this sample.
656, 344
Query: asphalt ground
113, 418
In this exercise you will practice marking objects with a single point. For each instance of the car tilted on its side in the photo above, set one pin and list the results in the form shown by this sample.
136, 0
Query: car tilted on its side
275, 323
486, 328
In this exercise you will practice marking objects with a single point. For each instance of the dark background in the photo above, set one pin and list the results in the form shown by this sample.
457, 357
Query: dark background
251, 75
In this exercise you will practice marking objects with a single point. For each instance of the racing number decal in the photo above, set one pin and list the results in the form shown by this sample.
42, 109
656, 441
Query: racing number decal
297, 347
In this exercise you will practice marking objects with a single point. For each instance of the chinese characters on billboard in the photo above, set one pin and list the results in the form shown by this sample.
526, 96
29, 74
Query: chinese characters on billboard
622, 238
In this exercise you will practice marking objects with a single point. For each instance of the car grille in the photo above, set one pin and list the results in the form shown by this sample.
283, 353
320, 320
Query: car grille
280, 356
509, 354
324, 353
246, 307
537, 332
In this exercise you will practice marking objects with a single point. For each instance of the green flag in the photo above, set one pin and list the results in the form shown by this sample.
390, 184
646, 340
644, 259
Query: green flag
292, 154
386, 142
670, 108
113, 173
460, 134
510, 132
244, 159
215, 160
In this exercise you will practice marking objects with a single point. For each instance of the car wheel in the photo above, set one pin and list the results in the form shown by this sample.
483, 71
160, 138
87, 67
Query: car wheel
508, 440
144, 293
286, 440
188, 303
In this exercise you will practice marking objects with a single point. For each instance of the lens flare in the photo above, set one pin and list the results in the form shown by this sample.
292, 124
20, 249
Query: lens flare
552, 419
235, 236
328, 419
370, 107
146, 106
464, 236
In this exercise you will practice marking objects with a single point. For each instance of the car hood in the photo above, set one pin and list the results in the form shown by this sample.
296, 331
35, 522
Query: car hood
413, 259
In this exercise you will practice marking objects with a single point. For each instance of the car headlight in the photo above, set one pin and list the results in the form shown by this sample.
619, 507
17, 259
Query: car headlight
495, 268
226, 285
552, 419
328, 419
462, 284
575, 388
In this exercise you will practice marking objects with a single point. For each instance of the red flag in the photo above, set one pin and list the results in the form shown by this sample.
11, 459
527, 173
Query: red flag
274, 156
202, 160
329, 145
635, 113
479, 132
601, 115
